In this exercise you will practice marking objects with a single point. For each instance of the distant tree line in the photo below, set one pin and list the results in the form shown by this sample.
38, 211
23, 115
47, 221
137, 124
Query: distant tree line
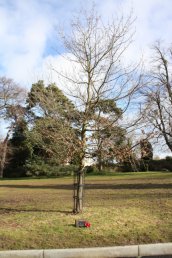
43, 137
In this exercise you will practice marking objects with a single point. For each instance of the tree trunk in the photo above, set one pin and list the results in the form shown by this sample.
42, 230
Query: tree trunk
79, 190
100, 166
79, 184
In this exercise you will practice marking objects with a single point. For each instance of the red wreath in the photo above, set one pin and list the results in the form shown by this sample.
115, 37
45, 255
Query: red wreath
87, 224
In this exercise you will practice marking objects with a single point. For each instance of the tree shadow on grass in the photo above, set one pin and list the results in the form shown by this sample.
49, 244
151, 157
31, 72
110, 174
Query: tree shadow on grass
14, 210
93, 186
51, 186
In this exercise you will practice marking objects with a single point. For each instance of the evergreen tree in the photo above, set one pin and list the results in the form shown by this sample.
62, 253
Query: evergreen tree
51, 137
19, 152
146, 150
108, 135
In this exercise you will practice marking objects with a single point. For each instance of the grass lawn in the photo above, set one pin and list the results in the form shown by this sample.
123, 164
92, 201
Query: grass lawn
122, 209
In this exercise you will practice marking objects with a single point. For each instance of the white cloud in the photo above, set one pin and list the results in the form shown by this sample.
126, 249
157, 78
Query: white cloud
25, 31
27, 26
153, 22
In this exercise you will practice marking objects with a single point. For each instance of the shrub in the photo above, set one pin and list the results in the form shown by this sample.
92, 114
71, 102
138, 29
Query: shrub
161, 165
40, 168
168, 158
12, 172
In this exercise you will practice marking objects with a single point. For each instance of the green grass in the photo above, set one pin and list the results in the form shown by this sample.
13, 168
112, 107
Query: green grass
128, 208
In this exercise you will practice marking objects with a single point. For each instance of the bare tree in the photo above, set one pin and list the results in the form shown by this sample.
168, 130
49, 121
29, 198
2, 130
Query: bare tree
11, 96
158, 96
95, 51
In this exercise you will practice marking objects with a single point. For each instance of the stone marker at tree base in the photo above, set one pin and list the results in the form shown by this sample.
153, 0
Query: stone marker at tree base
81, 223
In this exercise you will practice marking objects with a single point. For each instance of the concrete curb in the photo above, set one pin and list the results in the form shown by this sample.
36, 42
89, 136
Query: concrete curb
22, 254
102, 252
97, 252
155, 249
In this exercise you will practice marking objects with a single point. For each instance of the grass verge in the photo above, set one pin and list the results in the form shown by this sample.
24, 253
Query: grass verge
127, 208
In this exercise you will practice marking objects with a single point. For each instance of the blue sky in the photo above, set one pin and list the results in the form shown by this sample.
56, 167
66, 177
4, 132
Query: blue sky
28, 31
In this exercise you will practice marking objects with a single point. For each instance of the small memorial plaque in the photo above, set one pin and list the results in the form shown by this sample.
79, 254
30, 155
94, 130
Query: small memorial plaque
81, 223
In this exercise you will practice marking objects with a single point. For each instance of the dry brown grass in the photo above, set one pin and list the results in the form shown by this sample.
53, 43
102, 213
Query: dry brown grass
122, 209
